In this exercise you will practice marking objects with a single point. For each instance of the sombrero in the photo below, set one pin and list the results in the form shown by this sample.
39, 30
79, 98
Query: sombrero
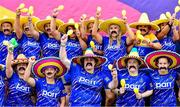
40, 24
91, 20
7, 19
39, 65
105, 24
162, 19
24, 20
89, 54
132, 55
144, 20
151, 58
21, 59
63, 27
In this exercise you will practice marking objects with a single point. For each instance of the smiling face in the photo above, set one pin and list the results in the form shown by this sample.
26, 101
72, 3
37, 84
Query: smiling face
89, 64
163, 64
145, 29
50, 72
114, 30
20, 68
90, 27
26, 29
47, 28
7, 28
132, 65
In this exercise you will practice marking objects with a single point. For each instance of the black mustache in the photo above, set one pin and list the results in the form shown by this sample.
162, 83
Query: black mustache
162, 68
49, 73
89, 64
21, 68
48, 29
114, 32
90, 31
143, 30
132, 67
6, 30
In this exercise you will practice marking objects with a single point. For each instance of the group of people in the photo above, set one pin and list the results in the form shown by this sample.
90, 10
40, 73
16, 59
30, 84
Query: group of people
70, 64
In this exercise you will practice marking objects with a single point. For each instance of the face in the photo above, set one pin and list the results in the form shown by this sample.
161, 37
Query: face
47, 28
114, 30
21, 68
26, 29
6, 28
163, 64
162, 25
89, 63
50, 72
132, 65
72, 28
145, 29
90, 27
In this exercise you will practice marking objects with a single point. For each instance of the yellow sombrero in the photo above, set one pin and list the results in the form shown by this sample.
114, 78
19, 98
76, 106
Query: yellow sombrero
21, 59
91, 20
89, 54
144, 20
105, 24
7, 19
151, 58
132, 55
24, 20
40, 65
63, 27
40, 24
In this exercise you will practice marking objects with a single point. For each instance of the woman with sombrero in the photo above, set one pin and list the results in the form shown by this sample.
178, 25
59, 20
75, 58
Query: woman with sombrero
167, 34
163, 76
134, 79
86, 78
49, 87
19, 91
145, 41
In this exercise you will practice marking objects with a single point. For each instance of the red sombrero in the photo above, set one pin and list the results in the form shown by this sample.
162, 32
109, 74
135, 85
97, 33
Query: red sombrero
151, 58
89, 54
39, 65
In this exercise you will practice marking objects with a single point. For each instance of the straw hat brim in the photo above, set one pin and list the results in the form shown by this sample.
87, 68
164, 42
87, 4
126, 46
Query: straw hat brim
91, 21
10, 20
19, 61
24, 20
48, 61
157, 22
135, 24
63, 27
151, 58
105, 25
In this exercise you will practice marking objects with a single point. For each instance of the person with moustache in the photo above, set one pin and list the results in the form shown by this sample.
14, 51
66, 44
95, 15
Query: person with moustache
149, 41
86, 79
49, 87
134, 79
19, 92
167, 35
163, 76
49, 41
115, 44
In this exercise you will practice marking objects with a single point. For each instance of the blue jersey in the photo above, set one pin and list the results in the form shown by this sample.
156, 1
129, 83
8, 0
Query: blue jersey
73, 48
49, 46
19, 93
49, 94
30, 47
167, 42
2, 88
113, 52
97, 45
163, 85
86, 87
3, 48
142, 82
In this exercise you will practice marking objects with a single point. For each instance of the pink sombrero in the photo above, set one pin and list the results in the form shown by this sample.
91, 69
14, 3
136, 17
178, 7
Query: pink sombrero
151, 58
39, 65
89, 54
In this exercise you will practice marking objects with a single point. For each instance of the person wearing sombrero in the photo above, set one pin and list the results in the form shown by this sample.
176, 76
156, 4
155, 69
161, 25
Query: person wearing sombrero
48, 84
49, 41
19, 91
129, 72
167, 34
163, 76
145, 41
86, 79
114, 43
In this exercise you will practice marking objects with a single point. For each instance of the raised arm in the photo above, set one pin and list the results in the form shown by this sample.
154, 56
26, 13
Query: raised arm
83, 28
17, 27
175, 34
9, 58
114, 83
27, 78
81, 41
34, 33
62, 53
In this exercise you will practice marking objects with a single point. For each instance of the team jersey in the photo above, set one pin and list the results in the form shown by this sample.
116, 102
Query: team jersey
49, 46
3, 48
142, 82
30, 47
73, 48
2, 87
163, 88
19, 93
98, 46
143, 48
49, 94
86, 87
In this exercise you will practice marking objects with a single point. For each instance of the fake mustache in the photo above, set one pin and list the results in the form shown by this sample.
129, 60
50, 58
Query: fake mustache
132, 67
89, 64
6, 30
21, 68
48, 29
162, 68
114, 32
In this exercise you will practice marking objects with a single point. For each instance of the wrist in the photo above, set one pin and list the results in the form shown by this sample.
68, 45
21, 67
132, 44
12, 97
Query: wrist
63, 44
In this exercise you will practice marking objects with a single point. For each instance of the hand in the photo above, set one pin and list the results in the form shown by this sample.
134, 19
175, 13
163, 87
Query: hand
172, 19
55, 12
136, 41
64, 39
83, 18
125, 19
18, 12
32, 59
139, 96
94, 49
98, 14
114, 73
78, 33
146, 41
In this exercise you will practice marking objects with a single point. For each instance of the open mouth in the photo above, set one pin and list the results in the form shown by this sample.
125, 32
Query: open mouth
21, 68
143, 30
114, 32
88, 64
132, 67
49, 73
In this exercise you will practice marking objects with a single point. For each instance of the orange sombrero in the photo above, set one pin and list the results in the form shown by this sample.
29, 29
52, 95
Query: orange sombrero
21, 59
39, 65
132, 55
151, 58
89, 54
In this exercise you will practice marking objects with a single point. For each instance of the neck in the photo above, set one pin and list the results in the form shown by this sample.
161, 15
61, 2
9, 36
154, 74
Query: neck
114, 38
50, 80
163, 72
90, 71
21, 76
135, 73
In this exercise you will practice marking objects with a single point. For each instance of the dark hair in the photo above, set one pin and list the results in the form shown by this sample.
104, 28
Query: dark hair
168, 59
126, 61
7, 22
82, 60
